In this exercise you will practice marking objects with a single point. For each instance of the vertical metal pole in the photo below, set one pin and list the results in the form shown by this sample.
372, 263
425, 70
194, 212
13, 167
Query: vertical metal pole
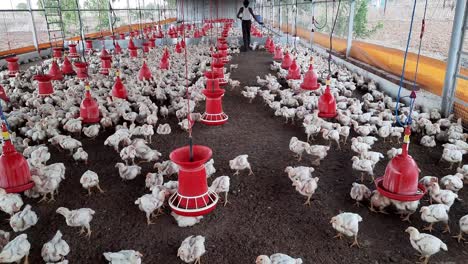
312, 6
110, 18
34, 32
450, 83
83, 36
128, 12
350, 27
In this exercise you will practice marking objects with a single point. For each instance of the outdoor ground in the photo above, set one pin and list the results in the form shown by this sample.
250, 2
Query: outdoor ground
266, 214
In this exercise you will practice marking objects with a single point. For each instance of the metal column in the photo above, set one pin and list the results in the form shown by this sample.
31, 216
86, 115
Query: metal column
312, 5
111, 24
34, 32
453, 61
350, 27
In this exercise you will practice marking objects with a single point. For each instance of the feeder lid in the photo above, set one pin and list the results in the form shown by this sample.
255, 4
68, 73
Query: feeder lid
12, 59
181, 156
42, 77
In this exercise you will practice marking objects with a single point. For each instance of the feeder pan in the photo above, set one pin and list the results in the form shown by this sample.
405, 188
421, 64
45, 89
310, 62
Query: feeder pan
57, 53
287, 61
133, 52
117, 48
67, 67
15, 176
72, 51
310, 79
278, 53
146, 47
44, 82
164, 64
193, 197
89, 108
81, 69
214, 115
294, 72
119, 90
144, 73
55, 72
327, 103
122, 35
13, 66
106, 62
401, 179
89, 46
178, 48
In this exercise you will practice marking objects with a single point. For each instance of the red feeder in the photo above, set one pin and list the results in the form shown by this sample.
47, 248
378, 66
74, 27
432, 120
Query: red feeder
152, 44
13, 66
117, 48
67, 67
55, 72
119, 90
278, 53
272, 48
294, 72
45, 87
89, 46
178, 48
287, 61
122, 35
57, 52
72, 53
106, 62
15, 176
89, 108
400, 181
164, 64
133, 52
146, 47
310, 79
268, 43
144, 73
214, 115
327, 103
193, 198
81, 69
182, 44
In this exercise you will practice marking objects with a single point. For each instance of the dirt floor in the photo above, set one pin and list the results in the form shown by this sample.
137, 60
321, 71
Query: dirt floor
266, 215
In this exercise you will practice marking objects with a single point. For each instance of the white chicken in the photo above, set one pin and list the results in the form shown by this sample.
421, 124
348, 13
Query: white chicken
277, 258
163, 129
332, 135
363, 166
89, 180
298, 147
380, 202
452, 156
16, 250
347, 224
359, 192
209, 167
123, 257
405, 208
453, 183
10, 203
393, 152
56, 249
128, 153
186, 221
153, 179
24, 219
192, 249
319, 152
446, 197
240, 163
148, 203
70, 144
306, 187
81, 155
435, 213
299, 173
428, 141
128, 172
463, 224
221, 185
91, 131
78, 218
426, 244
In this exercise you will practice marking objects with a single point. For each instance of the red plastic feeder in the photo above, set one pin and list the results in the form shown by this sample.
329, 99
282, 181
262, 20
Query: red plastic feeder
89, 108
327, 103
81, 69
89, 46
117, 48
278, 53
57, 52
214, 115
13, 66
268, 43
178, 48
401, 179
294, 72
287, 61
151, 42
146, 47
193, 198
182, 44
54, 71
271, 49
72, 53
45, 87
133, 52
15, 176
67, 67
144, 73
310, 79
122, 35
164, 64
119, 90
106, 62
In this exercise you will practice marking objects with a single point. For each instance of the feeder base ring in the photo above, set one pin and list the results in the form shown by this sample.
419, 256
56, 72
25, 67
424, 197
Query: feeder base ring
400, 197
310, 88
214, 119
174, 203
21, 188
323, 115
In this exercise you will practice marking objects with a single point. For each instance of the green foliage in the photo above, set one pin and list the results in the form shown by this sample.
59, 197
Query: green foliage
102, 16
22, 6
69, 18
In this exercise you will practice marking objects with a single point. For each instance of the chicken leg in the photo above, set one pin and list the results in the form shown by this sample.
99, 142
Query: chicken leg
355, 243
339, 236
429, 227
225, 198
99, 188
250, 171
447, 228
26, 259
307, 202
459, 237
236, 173
148, 219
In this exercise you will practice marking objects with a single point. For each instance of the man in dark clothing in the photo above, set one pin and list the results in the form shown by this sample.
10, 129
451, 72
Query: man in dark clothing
246, 14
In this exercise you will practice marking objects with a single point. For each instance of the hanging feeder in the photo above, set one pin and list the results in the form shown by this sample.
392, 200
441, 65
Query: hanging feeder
193, 197
133, 52
214, 115
72, 53
144, 73
401, 179
57, 52
278, 53
271, 49
67, 67
287, 61
54, 71
178, 48
89, 46
164, 63
106, 62
327, 103
44, 83
310, 78
146, 47
13, 66
218, 69
268, 43
151, 42
182, 44
89, 108
119, 90
122, 35
15, 176
117, 48
81, 69
294, 72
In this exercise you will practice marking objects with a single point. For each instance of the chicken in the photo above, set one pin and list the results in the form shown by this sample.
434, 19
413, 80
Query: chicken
372, 156
90, 179
70, 144
452, 156
210, 169
81, 155
464, 170
311, 130
463, 223
453, 183
405, 208
192, 249
249, 95
128, 153
153, 179
221, 184
433, 214
185, 221
148, 203
319, 152
24, 219
359, 192
91, 131
240, 163
298, 147
78, 218
428, 180
123, 257
428, 141
379, 201
10, 203
347, 224
167, 168
306, 187
299, 173
163, 129
364, 166
393, 152
277, 258
359, 147
128, 172
56, 249
4, 239
16, 250
446, 197
332, 135
426, 244
48, 179
73, 126
39, 156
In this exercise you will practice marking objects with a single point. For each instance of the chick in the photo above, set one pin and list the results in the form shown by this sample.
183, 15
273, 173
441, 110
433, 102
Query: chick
240, 163
298, 147
153, 179
81, 155
359, 192
128, 172
299, 173
306, 187
209, 167
277, 258
148, 203
90, 179
405, 208
453, 183
123, 257
56, 249
364, 166
427, 245
10, 203
185, 221
192, 249
446, 197
24, 219
463, 223
16, 250
78, 218
433, 214
221, 184
91, 131
347, 224
379, 201
163, 129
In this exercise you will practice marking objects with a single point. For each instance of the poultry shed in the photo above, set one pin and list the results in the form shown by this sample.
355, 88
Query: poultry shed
329, 124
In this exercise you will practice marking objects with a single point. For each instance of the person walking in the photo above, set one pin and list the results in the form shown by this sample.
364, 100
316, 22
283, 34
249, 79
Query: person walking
246, 14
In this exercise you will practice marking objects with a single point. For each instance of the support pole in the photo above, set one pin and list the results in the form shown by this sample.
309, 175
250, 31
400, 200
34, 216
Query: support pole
111, 28
350, 28
83, 36
453, 61
34, 32
312, 6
